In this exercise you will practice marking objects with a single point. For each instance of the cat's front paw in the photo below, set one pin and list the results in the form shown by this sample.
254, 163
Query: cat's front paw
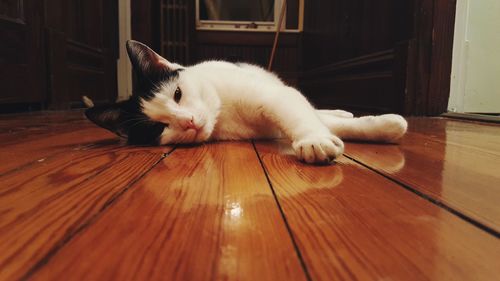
318, 149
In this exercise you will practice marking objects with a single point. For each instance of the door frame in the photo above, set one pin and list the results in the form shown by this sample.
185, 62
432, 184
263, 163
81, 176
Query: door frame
124, 68
429, 62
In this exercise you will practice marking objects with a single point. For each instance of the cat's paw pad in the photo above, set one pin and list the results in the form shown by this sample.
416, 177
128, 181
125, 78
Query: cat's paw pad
318, 149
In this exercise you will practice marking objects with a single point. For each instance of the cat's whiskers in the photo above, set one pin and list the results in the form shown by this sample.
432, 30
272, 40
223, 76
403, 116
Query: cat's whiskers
133, 119
139, 122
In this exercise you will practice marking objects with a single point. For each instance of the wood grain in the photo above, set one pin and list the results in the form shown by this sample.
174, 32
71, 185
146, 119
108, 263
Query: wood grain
467, 134
29, 133
443, 28
455, 163
45, 204
203, 213
77, 204
20, 153
352, 224
39, 117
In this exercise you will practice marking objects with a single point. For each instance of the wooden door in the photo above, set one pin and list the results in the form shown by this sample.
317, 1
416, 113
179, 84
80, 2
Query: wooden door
82, 39
21, 52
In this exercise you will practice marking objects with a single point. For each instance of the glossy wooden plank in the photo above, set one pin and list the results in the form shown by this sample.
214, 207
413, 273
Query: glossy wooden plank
45, 134
449, 169
24, 127
46, 203
352, 224
38, 132
18, 122
21, 153
204, 213
470, 134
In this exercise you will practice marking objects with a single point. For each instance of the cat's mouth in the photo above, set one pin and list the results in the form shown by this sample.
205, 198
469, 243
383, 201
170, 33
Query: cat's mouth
194, 132
199, 135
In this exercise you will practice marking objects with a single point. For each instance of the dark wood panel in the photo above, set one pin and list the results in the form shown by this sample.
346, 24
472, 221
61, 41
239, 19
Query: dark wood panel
366, 83
176, 29
360, 93
420, 32
12, 10
260, 39
56, 65
343, 29
429, 57
82, 40
252, 47
292, 14
442, 50
352, 224
353, 57
198, 215
145, 22
21, 52
84, 22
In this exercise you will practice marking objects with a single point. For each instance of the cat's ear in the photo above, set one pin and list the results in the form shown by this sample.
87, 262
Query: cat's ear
148, 63
110, 117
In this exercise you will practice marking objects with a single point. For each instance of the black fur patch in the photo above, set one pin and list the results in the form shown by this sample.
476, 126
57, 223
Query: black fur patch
127, 120
149, 71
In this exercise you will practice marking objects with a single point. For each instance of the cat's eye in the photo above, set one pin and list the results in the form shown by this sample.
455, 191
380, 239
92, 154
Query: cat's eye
177, 95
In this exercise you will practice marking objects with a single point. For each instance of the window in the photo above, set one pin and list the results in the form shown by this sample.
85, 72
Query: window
243, 15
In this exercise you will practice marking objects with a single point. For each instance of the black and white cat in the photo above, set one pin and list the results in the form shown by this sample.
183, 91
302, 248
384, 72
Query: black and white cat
217, 100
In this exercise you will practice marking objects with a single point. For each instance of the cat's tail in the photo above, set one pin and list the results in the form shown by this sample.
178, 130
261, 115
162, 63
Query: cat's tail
87, 102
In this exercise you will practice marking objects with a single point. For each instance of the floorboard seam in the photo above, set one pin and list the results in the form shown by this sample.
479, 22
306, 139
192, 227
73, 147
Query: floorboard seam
432, 200
65, 240
287, 225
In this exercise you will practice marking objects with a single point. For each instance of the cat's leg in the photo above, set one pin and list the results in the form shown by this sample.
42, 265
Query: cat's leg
311, 140
381, 128
335, 112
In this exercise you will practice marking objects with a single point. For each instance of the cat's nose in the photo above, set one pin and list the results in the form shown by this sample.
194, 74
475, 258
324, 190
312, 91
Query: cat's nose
189, 124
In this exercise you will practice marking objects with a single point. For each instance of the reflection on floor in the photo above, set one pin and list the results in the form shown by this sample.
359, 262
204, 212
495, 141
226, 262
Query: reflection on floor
76, 203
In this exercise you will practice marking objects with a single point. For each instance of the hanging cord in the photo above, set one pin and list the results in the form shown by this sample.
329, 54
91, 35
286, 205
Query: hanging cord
277, 35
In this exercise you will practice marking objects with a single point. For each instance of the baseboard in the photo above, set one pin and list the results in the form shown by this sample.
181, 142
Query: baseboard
473, 117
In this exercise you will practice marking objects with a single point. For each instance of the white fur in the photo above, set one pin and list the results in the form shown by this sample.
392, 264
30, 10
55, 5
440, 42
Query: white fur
231, 102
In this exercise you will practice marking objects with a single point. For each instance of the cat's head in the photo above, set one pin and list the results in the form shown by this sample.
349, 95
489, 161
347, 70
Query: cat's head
170, 103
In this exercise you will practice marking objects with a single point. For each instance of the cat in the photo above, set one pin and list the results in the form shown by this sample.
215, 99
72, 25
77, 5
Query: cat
218, 100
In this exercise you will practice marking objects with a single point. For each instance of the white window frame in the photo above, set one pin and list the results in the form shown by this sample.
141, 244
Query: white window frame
215, 25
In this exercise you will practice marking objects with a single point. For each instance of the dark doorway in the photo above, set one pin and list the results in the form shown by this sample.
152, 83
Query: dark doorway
21, 52
55, 51
82, 43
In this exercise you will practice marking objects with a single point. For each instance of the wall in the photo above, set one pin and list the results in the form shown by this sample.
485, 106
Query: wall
476, 58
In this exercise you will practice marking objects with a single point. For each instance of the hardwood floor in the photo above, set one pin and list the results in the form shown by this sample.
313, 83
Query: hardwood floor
77, 204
